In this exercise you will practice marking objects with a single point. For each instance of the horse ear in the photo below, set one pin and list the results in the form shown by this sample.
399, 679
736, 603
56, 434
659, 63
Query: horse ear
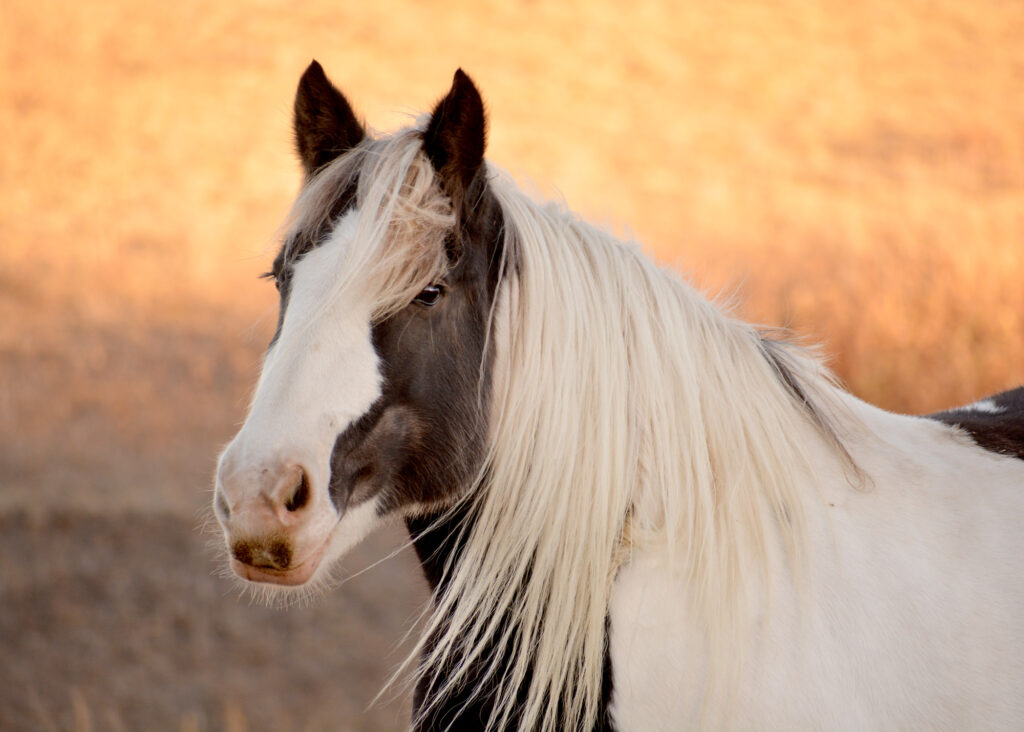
456, 136
325, 125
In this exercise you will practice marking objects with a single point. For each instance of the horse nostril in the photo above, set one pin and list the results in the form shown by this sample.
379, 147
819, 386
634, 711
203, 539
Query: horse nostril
300, 496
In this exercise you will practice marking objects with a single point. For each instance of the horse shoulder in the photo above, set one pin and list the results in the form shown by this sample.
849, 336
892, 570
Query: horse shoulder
905, 613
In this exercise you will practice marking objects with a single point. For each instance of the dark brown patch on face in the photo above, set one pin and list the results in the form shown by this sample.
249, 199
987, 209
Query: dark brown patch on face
269, 553
423, 441
367, 467
1001, 432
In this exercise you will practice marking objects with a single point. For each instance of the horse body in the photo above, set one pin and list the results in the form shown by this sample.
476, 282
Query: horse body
906, 615
634, 511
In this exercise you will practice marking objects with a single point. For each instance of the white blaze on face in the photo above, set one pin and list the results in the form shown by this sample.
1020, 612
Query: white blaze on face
320, 376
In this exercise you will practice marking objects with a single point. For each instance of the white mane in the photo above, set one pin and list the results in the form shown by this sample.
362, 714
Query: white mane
627, 411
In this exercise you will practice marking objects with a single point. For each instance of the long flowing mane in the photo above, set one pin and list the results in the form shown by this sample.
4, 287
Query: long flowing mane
626, 411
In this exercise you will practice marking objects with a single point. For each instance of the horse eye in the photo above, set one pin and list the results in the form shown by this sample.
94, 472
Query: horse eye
272, 276
281, 278
430, 295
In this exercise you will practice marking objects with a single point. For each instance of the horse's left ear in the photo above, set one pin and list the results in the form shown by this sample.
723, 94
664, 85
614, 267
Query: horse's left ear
455, 139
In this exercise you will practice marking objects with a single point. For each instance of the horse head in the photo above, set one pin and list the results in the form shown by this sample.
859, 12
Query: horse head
373, 394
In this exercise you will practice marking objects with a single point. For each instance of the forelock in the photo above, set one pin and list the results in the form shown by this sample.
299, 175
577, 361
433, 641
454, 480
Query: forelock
403, 219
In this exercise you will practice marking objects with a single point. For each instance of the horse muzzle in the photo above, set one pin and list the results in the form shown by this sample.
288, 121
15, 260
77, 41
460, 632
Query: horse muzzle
277, 530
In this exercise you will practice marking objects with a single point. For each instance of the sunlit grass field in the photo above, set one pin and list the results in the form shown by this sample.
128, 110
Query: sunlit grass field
852, 171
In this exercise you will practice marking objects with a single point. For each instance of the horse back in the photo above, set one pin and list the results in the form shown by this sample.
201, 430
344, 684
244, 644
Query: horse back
995, 423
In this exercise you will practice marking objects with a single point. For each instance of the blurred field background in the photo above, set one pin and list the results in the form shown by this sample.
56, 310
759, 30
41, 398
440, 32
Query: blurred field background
854, 171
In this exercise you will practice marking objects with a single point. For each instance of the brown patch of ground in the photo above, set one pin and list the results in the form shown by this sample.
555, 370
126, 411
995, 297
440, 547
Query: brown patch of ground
121, 622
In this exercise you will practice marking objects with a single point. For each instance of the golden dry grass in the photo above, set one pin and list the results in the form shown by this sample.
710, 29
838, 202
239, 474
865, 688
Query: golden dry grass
856, 169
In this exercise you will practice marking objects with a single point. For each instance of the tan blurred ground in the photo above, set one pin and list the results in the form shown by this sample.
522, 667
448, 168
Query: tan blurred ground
852, 170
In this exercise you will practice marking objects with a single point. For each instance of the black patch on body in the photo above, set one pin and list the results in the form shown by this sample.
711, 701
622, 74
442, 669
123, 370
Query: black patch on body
1002, 433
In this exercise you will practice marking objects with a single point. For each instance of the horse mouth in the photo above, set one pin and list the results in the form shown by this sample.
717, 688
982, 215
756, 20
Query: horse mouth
293, 576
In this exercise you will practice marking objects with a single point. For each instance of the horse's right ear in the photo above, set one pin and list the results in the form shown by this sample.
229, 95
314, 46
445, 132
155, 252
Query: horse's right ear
325, 125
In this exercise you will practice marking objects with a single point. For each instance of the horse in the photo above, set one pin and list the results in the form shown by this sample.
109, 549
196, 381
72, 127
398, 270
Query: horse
635, 511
